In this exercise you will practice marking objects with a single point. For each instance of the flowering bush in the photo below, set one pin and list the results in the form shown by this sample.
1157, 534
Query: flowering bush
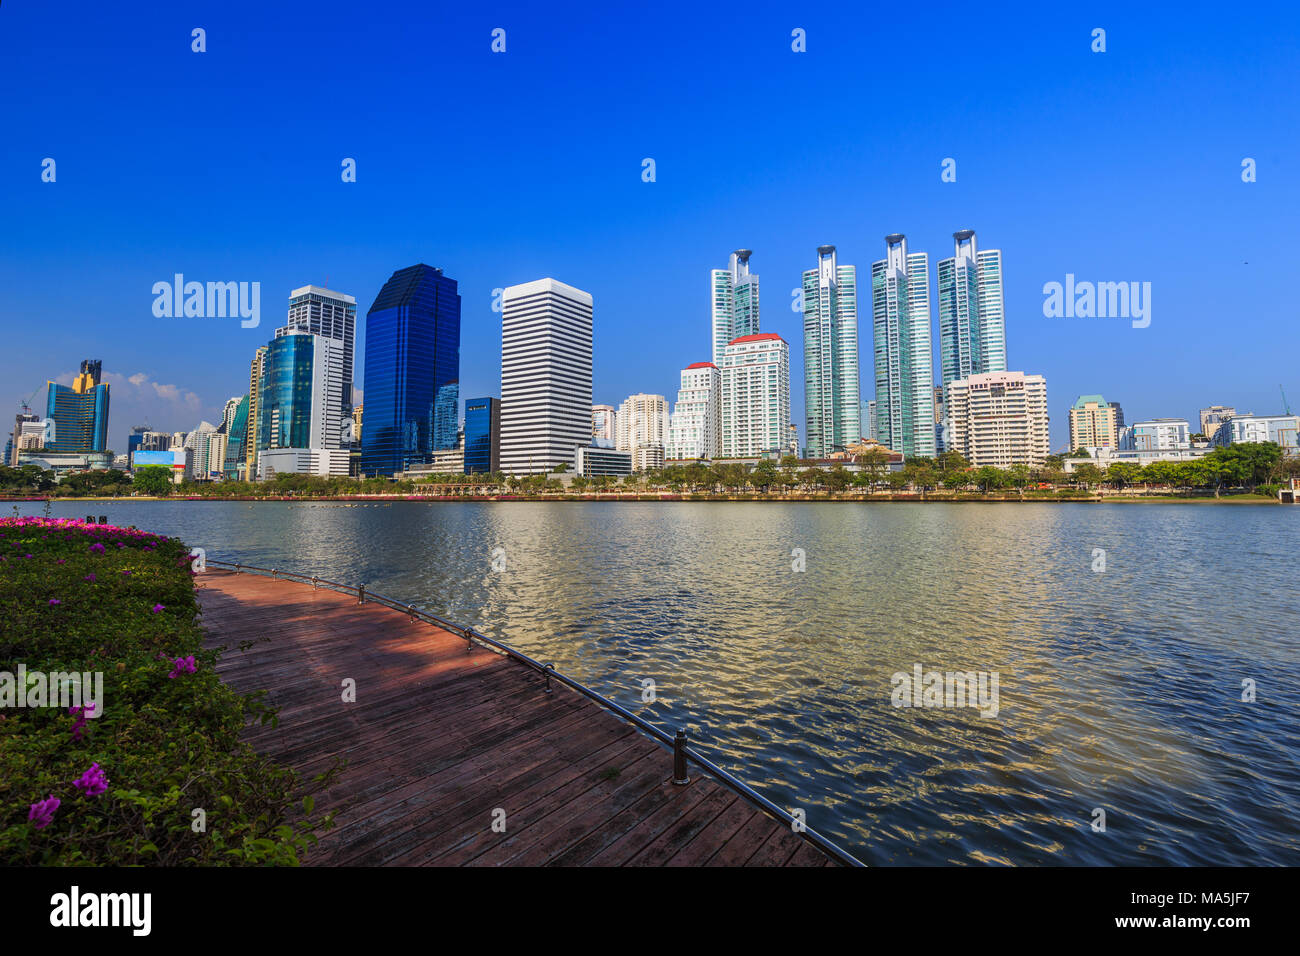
163, 740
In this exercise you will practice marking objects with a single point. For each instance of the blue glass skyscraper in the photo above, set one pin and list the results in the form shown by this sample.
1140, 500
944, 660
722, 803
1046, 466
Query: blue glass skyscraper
79, 413
412, 370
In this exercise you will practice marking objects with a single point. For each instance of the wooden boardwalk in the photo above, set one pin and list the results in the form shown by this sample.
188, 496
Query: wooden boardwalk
440, 738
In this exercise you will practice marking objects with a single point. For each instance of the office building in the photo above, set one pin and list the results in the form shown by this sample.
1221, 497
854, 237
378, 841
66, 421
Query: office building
755, 376
1156, 434
591, 462
734, 297
79, 413
482, 436
1093, 423
1119, 415
1213, 417
546, 336
999, 419
900, 304
832, 401
972, 314
869, 423
412, 370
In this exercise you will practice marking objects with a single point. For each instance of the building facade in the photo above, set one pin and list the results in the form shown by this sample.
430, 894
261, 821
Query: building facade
1279, 429
1213, 417
1156, 434
1093, 423
734, 297
412, 370
546, 341
300, 402
755, 377
482, 435
643, 422
604, 423
999, 419
591, 462
832, 399
900, 303
331, 314
695, 429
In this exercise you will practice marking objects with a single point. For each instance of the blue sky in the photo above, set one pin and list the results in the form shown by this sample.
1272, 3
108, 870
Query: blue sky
500, 168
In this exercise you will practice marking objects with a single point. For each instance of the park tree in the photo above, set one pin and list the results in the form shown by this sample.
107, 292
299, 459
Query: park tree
153, 480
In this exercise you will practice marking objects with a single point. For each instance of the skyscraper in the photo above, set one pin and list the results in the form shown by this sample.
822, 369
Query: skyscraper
412, 370
482, 435
546, 335
300, 417
333, 315
972, 332
900, 304
755, 376
642, 423
830, 355
695, 430
237, 438
251, 446
735, 302
79, 413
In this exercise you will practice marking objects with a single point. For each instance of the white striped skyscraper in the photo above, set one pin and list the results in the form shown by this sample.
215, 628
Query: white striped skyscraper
830, 356
900, 305
546, 334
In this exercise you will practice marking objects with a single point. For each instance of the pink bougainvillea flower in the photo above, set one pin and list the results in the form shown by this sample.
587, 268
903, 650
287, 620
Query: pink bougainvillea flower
158, 607
42, 811
97, 548
80, 713
54, 601
93, 782
183, 665
89, 577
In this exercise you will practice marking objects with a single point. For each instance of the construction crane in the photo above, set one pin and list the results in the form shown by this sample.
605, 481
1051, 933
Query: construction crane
25, 403
1286, 409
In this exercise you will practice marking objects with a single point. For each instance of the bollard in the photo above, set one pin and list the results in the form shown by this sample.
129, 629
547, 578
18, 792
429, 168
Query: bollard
103, 519
90, 519
680, 776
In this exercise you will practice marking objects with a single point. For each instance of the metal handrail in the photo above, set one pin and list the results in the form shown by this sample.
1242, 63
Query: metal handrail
677, 744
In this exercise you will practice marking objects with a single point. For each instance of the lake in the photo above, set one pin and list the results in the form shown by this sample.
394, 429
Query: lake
1119, 690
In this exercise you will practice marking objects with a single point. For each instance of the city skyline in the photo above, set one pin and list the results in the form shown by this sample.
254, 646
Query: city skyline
1105, 207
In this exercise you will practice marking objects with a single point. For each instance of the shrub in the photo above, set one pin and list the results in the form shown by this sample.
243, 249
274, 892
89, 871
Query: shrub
120, 602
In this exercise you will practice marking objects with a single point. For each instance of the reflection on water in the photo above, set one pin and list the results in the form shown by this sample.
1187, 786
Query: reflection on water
1118, 690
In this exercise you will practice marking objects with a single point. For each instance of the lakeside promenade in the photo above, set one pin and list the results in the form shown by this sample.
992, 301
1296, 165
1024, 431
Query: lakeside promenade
442, 739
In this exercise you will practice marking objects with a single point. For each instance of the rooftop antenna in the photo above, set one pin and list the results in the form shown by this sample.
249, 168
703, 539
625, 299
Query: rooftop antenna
1286, 408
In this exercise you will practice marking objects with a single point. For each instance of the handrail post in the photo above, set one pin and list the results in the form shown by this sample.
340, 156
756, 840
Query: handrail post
361, 594
680, 775
314, 581
411, 608
547, 671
